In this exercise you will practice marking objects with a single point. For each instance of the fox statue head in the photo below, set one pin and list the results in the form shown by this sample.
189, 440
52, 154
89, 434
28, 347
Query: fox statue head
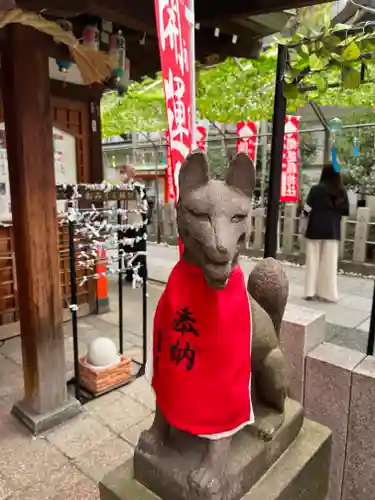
213, 217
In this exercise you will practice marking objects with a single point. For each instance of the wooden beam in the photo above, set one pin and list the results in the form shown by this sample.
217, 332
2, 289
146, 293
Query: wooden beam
145, 59
75, 92
212, 10
28, 123
121, 12
60, 8
140, 16
126, 13
230, 27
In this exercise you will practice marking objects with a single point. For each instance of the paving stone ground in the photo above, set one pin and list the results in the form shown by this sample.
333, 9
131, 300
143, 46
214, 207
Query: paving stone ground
68, 462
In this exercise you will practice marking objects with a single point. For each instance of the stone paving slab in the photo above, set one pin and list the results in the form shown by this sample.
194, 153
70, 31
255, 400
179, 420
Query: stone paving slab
69, 461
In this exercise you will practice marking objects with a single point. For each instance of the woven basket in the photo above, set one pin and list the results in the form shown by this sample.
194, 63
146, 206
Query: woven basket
97, 381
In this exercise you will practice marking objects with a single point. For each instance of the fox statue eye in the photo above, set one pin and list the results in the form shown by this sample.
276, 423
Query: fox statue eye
197, 214
238, 218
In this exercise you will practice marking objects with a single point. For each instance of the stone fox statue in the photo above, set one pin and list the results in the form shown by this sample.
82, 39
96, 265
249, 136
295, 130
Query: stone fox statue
216, 354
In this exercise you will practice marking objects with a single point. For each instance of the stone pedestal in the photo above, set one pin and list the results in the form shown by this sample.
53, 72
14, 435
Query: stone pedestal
360, 458
302, 330
328, 392
293, 466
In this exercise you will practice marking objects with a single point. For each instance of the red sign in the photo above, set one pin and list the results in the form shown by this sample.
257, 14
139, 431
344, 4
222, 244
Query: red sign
289, 173
202, 138
173, 34
247, 138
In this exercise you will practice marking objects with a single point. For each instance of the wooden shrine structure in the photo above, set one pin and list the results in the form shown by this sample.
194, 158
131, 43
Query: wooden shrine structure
33, 103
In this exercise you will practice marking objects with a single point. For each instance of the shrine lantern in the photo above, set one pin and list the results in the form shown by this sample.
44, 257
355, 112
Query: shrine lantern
117, 54
90, 37
66, 25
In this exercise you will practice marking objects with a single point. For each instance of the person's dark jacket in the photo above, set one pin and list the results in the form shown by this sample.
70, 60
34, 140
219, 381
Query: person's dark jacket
325, 210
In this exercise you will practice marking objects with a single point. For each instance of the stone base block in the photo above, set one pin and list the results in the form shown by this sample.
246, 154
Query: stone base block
39, 423
300, 473
249, 458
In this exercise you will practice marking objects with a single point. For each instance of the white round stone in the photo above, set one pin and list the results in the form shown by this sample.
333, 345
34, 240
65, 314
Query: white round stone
102, 352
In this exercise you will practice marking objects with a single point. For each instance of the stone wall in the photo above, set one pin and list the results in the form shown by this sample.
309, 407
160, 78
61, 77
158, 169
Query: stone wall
337, 387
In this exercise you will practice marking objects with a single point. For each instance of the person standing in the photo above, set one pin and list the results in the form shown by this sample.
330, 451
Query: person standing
326, 203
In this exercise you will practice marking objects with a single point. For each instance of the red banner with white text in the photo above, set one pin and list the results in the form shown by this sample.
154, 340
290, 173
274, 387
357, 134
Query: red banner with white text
173, 34
247, 138
289, 172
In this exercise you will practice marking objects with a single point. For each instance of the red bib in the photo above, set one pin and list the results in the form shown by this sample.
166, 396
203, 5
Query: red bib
201, 353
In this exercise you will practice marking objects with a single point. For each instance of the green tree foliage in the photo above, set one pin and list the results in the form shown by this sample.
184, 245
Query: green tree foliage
359, 172
142, 109
243, 90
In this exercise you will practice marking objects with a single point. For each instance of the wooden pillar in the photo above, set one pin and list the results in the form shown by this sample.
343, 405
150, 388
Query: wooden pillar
28, 123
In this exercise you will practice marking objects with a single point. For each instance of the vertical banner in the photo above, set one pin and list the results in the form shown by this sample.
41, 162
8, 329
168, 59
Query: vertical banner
172, 18
169, 180
247, 139
201, 136
289, 173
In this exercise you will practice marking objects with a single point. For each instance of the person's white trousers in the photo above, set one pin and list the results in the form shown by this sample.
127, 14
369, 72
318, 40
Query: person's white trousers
321, 269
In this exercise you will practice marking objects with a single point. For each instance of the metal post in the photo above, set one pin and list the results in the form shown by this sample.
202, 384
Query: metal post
157, 198
327, 148
264, 139
279, 114
327, 132
73, 300
120, 250
144, 316
371, 334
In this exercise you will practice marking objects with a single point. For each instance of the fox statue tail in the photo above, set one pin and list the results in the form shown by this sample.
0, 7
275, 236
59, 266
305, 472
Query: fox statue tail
268, 285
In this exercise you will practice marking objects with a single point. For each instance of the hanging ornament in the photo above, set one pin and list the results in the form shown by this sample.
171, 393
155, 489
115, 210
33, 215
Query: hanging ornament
335, 126
142, 41
90, 36
356, 148
66, 25
335, 161
117, 54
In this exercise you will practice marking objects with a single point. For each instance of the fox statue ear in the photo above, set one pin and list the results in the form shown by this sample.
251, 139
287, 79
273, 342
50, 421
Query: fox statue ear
241, 174
193, 173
